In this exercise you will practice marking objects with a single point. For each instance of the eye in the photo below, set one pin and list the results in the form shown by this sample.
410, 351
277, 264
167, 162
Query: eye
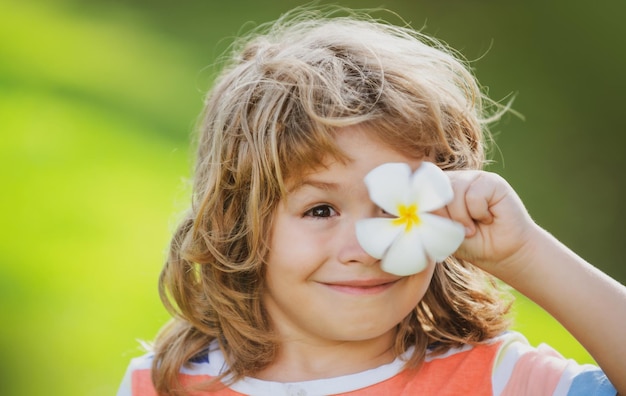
321, 211
384, 213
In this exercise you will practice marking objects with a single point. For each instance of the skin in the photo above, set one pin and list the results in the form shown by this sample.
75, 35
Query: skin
333, 326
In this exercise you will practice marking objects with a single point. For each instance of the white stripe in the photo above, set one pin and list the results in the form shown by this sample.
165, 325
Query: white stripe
567, 377
327, 386
513, 347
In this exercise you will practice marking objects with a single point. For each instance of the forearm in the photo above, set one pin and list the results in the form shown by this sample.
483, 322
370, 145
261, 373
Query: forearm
589, 304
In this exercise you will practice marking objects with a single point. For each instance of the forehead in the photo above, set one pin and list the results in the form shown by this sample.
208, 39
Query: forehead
361, 151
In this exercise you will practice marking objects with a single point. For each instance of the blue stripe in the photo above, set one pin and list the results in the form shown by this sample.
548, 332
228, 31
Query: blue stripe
201, 357
592, 383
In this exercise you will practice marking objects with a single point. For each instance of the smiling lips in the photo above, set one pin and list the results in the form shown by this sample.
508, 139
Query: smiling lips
368, 286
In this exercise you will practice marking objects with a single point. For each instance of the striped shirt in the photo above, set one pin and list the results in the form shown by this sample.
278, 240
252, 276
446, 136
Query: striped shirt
505, 366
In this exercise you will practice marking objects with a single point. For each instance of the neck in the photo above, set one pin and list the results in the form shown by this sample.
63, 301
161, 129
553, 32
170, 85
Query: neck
302, 360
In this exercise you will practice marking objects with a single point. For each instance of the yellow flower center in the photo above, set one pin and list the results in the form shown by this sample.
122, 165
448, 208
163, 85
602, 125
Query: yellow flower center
407, 217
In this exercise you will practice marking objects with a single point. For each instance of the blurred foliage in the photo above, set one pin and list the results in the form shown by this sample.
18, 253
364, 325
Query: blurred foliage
97, 103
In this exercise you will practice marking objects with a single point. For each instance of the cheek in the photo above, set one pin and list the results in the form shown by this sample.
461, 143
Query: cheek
297, 238
293, 252
420, 282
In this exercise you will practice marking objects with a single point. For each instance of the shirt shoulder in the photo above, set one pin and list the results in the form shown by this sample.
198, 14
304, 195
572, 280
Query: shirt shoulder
138, 367
521, 369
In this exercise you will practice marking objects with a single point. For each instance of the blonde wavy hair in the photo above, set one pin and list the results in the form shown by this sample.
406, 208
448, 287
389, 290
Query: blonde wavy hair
272, 114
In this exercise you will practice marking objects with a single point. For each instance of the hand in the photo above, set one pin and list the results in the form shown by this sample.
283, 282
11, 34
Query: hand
498, 227
502, 239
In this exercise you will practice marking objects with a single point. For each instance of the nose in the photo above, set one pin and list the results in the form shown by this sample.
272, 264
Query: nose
350, 251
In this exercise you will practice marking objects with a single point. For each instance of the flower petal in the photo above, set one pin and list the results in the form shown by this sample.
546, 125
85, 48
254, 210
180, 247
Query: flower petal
406, 255
441, 236
376, 235
430, 187
388, 185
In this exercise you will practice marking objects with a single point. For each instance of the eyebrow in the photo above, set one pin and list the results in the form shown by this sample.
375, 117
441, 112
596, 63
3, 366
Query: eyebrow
326, 186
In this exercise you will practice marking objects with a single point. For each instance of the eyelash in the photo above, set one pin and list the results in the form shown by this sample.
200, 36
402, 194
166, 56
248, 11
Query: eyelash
311, 212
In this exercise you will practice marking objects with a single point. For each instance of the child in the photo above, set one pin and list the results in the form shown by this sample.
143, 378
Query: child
271, 292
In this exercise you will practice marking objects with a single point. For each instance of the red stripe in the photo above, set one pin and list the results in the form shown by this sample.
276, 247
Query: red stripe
543, 366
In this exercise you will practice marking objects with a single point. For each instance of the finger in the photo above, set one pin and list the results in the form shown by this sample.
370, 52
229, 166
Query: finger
457, 209
478, 196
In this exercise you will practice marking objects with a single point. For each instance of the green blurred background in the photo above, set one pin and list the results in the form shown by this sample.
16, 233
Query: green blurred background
97, 103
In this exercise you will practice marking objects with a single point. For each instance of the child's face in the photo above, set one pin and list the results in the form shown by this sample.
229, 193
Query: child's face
321, 286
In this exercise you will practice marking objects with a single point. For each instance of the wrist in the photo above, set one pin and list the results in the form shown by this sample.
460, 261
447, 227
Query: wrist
517, 266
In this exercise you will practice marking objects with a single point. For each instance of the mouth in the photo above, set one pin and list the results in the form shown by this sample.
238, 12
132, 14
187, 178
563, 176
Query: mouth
362, 287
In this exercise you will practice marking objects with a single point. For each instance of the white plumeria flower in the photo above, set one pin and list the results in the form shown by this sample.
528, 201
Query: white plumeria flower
406, 243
